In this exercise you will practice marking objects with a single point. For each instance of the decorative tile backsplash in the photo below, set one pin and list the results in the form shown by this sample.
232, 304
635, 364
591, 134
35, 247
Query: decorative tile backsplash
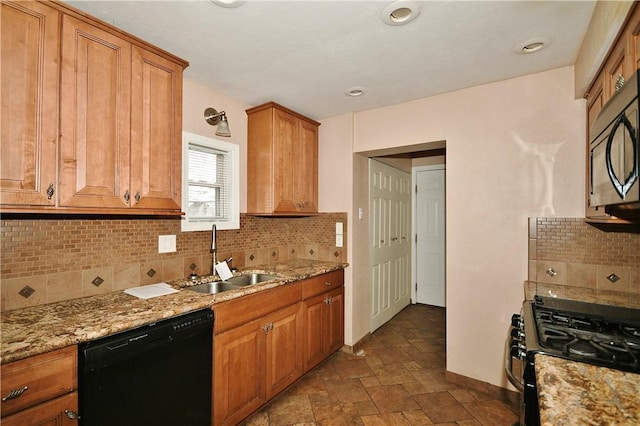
571, 259
44, 260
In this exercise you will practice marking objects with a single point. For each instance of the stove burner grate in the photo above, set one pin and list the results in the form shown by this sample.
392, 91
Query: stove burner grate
589, 339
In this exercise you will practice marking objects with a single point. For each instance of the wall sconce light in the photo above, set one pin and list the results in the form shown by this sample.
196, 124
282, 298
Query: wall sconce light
214, 117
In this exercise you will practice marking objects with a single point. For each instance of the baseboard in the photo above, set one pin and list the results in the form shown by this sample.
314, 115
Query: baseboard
512, 398
354, 349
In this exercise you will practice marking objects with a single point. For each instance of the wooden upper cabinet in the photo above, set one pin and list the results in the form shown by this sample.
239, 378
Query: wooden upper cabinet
633, 37
30, 72
118, 104
94, 117
282, 162
156, 132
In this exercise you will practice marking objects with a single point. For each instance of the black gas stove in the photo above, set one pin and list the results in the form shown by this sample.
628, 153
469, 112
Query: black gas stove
596, 334
603, 335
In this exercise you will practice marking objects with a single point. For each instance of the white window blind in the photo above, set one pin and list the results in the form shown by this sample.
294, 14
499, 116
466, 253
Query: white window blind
210, 187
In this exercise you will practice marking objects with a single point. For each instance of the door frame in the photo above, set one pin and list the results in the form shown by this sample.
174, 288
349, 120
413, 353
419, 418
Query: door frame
414, 226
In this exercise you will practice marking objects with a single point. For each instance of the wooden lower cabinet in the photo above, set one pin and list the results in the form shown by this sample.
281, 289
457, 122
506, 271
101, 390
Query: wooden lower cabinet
264, 342
41, 390
57, 412
254, 362
238, 389
324, 321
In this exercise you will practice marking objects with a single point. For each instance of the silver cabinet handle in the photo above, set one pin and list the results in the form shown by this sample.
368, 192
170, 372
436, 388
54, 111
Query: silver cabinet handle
127, 196
50, 191
14, 393
394, 239
266, 328
327, 283
137, 197
551, 272
72, 414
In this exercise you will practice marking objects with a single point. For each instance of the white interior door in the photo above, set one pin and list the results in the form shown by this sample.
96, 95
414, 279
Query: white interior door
390, 241
430, 235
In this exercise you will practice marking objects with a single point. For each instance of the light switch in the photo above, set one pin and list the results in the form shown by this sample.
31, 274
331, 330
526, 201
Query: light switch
339, 228
338, 240
166, 243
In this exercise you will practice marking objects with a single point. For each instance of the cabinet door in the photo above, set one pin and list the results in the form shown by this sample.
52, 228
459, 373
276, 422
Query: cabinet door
285, 139
283, 351
633, 36
95, 97
335, 326
305, 169
29, 73
238, 373
315, 311
156, 140
60, 411
619, 64
324, 326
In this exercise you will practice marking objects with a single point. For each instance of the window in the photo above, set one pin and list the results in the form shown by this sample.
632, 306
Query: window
210, 183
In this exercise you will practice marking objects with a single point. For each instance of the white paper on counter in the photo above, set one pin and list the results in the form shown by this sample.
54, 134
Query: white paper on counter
223, 271
151, 290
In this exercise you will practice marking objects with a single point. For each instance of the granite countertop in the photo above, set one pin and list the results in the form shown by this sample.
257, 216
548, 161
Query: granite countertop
571, 393
31, 331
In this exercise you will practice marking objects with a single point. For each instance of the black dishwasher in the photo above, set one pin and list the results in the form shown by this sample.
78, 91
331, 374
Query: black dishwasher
157, 374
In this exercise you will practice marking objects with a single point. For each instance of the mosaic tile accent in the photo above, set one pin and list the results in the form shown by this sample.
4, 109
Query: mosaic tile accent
97, 281
26, 292
151, 272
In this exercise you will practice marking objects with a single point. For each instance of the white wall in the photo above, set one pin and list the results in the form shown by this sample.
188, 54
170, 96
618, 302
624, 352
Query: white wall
335, 189
195, 99
515, 149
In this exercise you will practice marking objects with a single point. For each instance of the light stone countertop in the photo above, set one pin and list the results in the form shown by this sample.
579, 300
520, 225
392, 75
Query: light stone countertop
576, 393
31, 331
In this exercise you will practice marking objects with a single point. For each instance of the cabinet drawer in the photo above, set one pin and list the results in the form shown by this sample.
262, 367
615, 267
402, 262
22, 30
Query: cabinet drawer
61, 411
322, 283
45, 376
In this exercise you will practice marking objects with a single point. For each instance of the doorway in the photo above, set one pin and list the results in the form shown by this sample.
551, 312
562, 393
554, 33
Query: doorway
390, 241
430, 237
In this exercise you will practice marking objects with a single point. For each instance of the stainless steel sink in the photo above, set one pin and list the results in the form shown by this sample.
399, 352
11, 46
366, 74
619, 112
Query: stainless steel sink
213, 288
251, 279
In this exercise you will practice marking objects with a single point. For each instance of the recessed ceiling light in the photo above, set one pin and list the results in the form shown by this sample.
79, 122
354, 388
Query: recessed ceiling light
400, 12
354, 92
227, 3
533, 45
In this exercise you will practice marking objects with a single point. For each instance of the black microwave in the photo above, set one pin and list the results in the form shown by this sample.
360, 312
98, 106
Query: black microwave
614, 153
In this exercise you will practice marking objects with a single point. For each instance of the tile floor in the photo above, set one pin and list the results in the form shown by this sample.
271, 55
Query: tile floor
399, 380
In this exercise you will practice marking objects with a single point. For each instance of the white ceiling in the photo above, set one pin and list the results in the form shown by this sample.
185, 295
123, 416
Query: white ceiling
306, 54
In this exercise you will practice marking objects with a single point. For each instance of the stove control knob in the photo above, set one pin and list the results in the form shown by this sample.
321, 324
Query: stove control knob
517, 349
517, 333
516, 320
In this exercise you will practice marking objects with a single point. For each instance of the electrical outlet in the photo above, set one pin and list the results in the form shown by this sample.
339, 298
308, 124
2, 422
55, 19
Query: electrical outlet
166, 243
